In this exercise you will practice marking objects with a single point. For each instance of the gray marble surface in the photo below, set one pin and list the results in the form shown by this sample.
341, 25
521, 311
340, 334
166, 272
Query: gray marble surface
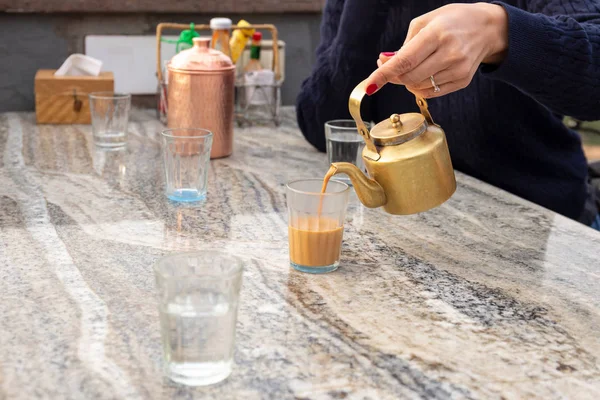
487, 296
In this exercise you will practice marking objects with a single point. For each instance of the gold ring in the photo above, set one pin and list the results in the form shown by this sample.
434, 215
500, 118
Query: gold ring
436, 88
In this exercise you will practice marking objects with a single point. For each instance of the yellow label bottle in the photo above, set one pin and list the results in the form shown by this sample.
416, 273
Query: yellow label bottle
238, 40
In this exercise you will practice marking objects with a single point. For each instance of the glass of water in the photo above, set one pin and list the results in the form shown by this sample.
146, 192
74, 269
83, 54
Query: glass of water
198, 296
186, 154
344, 144
110, 116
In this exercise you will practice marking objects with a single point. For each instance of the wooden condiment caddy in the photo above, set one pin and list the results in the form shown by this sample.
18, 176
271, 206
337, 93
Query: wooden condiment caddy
64, 99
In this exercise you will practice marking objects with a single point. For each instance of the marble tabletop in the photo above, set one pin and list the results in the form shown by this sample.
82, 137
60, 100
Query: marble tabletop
486, 297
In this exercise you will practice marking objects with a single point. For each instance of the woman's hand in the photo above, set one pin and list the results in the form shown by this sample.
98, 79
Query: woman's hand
449, 44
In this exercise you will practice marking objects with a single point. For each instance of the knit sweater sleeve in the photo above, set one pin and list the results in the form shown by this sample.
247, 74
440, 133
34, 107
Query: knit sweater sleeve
350, 32
554, 55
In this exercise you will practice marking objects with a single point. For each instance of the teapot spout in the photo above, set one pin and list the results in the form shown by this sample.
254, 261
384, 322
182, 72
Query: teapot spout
369, 192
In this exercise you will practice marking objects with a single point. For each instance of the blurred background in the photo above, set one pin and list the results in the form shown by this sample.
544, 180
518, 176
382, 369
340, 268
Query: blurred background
41, 34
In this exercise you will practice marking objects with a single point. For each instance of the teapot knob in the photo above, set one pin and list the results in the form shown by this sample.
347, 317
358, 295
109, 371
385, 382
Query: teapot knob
396, 123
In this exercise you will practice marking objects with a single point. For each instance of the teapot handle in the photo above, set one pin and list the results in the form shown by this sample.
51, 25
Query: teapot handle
354, 106
422, 103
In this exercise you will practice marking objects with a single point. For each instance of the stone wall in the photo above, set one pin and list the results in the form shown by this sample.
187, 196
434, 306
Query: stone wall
32, 41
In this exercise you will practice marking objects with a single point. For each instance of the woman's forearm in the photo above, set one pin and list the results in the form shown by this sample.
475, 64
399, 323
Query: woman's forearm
554, 59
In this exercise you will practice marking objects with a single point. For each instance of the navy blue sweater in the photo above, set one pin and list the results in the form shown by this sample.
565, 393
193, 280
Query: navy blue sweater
506, 127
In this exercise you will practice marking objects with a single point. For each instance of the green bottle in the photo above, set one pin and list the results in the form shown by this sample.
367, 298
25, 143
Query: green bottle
186, 39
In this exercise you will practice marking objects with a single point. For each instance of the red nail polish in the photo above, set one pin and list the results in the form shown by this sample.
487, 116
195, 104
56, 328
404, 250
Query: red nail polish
371, 88
389, 53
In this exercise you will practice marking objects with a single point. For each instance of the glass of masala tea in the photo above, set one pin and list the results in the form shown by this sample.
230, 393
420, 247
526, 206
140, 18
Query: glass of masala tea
316, 209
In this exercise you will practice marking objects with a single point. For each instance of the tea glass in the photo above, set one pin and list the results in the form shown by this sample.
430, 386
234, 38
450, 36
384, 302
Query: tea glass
198, 296
110, 117
316, 224
344, 144
186, 154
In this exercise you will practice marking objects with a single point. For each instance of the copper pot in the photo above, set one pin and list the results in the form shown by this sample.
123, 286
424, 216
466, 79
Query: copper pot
201, 84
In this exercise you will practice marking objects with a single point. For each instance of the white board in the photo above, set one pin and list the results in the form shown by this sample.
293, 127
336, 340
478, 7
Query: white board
132, 60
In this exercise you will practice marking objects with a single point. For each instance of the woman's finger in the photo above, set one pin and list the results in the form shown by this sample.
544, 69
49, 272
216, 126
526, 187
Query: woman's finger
382, 60
416, 78
444, 89
448, 80
435, 63
386, 56
440, 78
406, 59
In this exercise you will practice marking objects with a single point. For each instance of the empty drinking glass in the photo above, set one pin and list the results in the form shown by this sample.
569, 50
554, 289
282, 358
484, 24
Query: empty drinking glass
344, 144
110, 116
186, 157
316, 224
198, 296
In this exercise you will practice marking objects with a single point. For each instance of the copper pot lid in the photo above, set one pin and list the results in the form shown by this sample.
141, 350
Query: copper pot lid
399, 128
201, 58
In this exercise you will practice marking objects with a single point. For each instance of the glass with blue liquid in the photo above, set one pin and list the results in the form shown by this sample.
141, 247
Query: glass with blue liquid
186, 154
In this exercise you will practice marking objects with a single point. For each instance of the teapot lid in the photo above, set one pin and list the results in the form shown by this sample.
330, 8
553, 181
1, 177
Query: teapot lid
398, 129
201, 58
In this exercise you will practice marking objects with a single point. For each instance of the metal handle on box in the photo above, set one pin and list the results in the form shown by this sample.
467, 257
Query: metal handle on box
76, 102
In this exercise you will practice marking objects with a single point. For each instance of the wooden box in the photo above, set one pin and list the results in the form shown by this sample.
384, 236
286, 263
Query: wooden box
64, 99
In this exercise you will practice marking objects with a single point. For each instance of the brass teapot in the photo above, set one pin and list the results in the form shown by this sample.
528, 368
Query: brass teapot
407, 158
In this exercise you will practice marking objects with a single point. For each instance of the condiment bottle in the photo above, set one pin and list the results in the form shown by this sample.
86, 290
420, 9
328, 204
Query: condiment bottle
238, 41
258, 81
185, 39
221, 28
254, 63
